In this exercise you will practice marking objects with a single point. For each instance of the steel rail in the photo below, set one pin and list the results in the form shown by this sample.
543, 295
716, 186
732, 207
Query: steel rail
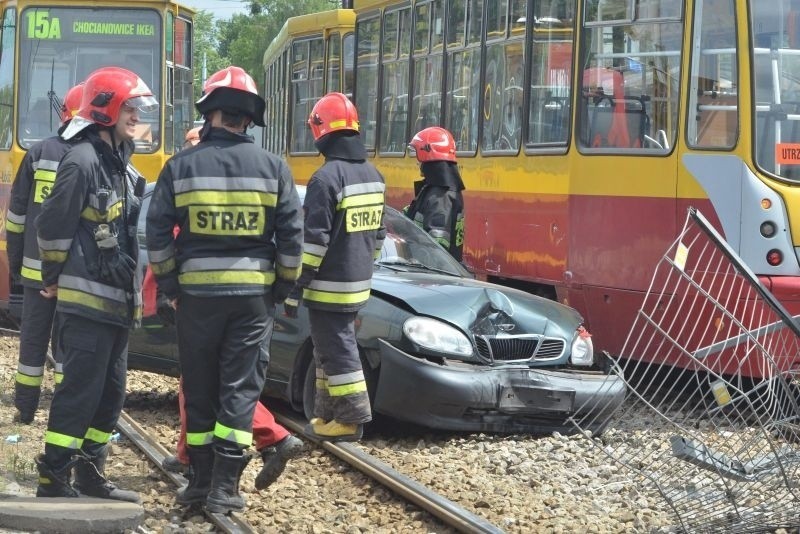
446, 510
229, 524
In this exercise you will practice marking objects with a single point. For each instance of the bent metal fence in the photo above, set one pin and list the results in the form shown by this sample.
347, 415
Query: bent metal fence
711, 363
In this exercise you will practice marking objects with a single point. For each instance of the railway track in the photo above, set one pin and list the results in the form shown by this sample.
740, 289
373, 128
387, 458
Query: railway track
406, 488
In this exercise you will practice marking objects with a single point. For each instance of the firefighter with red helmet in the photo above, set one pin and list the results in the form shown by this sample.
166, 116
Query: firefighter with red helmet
31, 186
438, 205
236, 255
343, 234
88, 247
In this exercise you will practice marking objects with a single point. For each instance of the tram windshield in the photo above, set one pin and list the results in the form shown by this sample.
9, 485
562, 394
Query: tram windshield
776, 86
61, 46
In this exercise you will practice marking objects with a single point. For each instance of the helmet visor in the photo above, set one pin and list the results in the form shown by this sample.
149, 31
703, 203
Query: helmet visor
145, 104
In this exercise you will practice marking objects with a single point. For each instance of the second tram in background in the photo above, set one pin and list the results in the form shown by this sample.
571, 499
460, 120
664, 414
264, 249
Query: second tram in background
47, 47
585, 129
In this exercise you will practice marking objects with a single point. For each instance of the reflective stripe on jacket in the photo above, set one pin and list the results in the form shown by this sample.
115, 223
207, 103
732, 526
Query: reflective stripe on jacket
344, 232
33, 183
66, 227
239, 218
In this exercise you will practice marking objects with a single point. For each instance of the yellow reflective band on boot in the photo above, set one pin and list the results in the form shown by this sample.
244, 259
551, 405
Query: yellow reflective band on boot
197, 439
58, 377
27, 380
62, 440
98, 436
240, 437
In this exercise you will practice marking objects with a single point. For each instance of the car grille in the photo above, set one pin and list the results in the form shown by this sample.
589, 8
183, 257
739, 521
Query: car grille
518, 348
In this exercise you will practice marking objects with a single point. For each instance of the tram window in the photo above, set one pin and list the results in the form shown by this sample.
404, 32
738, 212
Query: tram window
307, 87
463, 98
776, 86
714, 118
496, 20
426, 103
607, 11
394, 102
9, 31
456, 23
551, 73
502, 97
368, 39
347, 64
474, 18
332, 80
630, 81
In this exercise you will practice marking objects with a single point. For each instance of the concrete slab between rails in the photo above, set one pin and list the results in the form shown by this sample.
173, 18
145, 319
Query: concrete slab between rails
69, 516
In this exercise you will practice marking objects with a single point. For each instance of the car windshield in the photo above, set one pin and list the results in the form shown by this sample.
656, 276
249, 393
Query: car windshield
407, 245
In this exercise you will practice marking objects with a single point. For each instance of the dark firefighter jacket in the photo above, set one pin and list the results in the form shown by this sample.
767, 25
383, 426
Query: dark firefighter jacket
438, 206
94, 185
32, 185
344, 229
239, 217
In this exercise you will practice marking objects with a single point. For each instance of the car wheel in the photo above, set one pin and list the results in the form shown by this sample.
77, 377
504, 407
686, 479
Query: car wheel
309, 389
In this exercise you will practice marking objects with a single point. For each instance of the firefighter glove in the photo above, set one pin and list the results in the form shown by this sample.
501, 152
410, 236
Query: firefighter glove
292, 302
115, 267
282, 289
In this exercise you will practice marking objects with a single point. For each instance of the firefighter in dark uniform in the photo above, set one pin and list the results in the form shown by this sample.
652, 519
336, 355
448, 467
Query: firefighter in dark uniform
438, 206
31, 186
238, 253
343, 234
87, 243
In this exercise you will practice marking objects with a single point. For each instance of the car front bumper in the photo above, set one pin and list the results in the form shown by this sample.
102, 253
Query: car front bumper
501, 399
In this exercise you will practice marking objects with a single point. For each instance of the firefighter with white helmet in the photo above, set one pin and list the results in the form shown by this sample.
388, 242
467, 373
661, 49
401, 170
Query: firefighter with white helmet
438, 206
343, 234
88, 247
31, 186
236, 255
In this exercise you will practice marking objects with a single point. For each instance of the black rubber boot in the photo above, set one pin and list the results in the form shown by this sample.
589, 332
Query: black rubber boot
55, 482
174, 465
201, 460
275, 459
91, 481
26, 400
228, 468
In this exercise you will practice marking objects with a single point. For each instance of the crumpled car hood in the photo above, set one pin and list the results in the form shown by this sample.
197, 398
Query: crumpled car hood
478, 307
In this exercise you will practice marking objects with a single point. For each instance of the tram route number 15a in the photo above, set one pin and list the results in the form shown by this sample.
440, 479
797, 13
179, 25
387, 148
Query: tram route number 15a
41, 26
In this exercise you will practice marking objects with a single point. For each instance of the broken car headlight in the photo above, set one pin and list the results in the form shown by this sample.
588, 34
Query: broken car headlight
582, 348
437, 336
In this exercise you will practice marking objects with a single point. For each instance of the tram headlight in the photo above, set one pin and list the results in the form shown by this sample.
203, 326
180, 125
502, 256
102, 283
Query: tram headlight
768, 229
582, 348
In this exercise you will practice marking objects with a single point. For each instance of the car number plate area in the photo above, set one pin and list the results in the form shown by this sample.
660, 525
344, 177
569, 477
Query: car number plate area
529, 398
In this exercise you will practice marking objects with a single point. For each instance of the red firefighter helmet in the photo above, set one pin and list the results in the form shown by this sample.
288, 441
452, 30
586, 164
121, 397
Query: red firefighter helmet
333, 112
434, 144
232, 88
72, 103
104, 93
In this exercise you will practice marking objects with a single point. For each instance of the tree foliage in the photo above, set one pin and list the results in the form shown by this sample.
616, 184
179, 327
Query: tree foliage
244, 38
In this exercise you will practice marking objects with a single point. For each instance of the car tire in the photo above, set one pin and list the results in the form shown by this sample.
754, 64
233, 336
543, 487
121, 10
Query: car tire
309, 389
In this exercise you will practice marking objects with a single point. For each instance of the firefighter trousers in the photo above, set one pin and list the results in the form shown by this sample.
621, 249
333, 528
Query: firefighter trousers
266, 430
87, 403
223, 347
35, 337
341, 390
